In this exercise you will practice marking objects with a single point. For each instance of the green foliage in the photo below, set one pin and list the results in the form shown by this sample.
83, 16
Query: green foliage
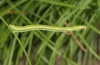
45, 47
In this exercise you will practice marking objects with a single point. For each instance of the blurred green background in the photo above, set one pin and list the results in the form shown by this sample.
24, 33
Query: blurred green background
45, 47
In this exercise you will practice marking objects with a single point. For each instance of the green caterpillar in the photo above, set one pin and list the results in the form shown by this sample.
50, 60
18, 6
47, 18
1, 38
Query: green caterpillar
45, 27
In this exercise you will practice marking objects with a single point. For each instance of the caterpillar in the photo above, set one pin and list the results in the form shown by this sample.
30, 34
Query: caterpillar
45, 27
